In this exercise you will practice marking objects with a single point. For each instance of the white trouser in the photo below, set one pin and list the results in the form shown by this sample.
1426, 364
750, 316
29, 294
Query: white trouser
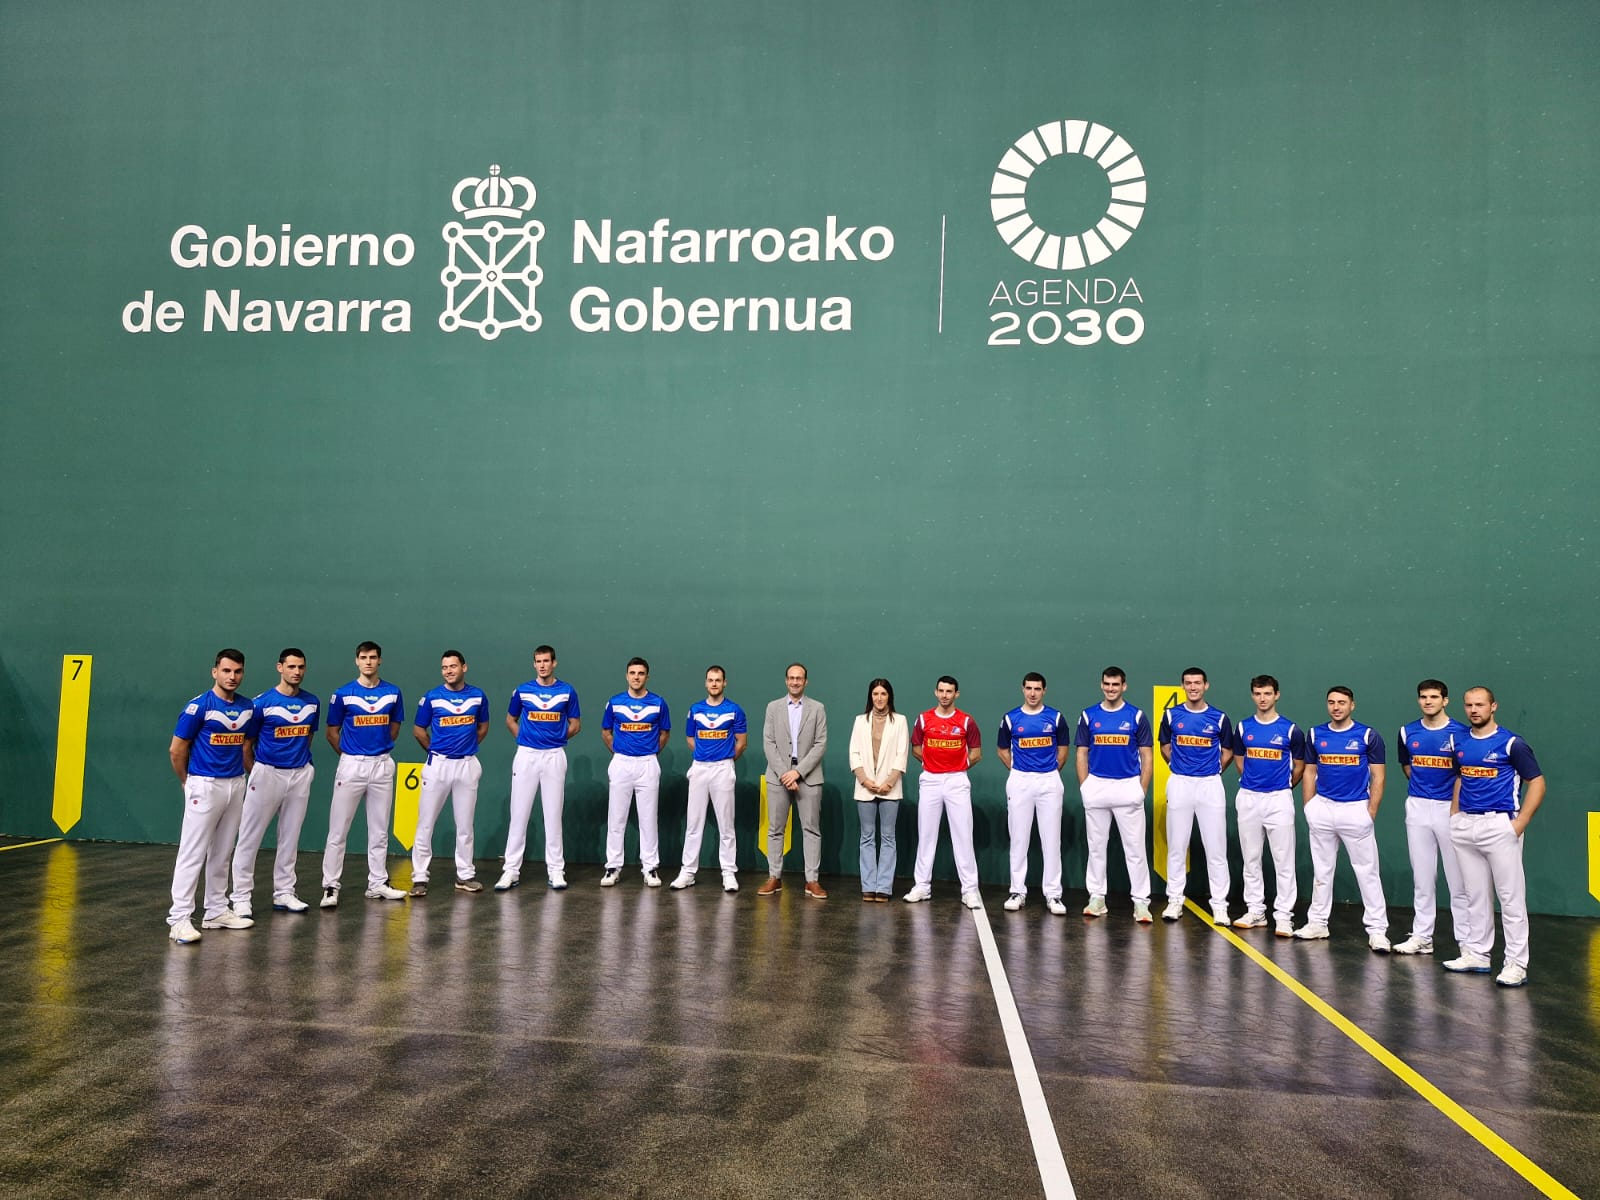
1332, 822
273, 791
710, 783
456, 780
542, 772
1120, 800
357, 776
946, 794
1267, 819
1030, 796
1490, 857
1428, 840
634, 778
1191, 800
211, 810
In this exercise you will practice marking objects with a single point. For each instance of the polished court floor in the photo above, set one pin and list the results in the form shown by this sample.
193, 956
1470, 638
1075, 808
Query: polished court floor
636, 1043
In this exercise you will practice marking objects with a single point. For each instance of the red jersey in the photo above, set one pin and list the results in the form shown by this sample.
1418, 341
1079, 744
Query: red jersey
945, 740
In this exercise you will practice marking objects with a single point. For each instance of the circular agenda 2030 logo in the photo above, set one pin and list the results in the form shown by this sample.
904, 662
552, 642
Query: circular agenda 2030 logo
1076, 250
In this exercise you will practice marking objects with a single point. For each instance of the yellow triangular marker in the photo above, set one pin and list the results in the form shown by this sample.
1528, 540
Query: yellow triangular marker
72, 740
1594, 861
761, 824
1163, 697
407, 791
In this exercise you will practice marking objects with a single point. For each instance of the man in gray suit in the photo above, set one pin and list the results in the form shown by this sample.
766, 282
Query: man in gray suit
795, 737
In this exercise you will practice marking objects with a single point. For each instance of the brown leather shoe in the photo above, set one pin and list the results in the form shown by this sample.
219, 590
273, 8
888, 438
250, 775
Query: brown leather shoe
771, 887
814, 890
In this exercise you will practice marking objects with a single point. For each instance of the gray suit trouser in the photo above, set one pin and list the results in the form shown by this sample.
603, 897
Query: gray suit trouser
808, 802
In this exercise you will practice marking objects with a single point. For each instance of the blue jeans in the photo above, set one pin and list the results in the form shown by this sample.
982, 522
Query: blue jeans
877, 844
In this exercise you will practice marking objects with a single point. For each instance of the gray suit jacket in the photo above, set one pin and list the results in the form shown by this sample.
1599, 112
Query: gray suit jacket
813, 739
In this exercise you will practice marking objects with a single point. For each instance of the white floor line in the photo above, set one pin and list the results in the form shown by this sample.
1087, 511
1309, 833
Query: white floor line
1046, 1147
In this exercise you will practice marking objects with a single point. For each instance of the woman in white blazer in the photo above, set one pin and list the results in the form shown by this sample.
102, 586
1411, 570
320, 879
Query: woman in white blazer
879, 744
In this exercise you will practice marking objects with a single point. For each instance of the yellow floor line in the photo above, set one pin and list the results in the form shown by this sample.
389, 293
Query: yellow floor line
25, 845
1497, 1145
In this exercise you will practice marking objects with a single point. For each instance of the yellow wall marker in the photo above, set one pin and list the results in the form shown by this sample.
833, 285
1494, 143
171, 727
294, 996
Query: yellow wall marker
407, 791
1594, 855
72, 740
761, 823
1162, 697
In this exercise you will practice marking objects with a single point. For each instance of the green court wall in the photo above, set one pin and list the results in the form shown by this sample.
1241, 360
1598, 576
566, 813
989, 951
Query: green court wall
1333, 418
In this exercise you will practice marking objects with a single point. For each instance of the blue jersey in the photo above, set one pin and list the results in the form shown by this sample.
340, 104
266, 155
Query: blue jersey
1431, 755
542, 712
363, 715
714, 729
1113, 737
1267, 753
1490, 768
216, 730
452, 719
1345, 758
1032, 739
1197, 739
284, 725
636, 725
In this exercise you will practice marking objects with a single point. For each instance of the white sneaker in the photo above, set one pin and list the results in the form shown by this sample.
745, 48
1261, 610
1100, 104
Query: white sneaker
227, 919
917, 894
1254, 919
1141, 913
1056, 906
1173, 910
1379, 942
558, 881
507, 881
651, 879
972, 900
382, 892
1415, 945
1312, 933
330, 897
685, 879
1512, 976
184, 932
244, 909
1219, 915
288, 902
609, 879
1284, 929
730, 882
1470, 963
1013, 902
1096, 907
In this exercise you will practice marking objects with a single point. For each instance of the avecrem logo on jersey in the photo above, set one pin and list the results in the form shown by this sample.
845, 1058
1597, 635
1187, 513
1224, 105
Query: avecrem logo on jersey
1065, 197
492, 277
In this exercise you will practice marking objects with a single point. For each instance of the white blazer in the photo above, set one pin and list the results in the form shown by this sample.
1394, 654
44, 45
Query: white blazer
893, 748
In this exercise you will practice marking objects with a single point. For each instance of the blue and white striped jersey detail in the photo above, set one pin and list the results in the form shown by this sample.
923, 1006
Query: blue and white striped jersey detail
284, 728
365, 716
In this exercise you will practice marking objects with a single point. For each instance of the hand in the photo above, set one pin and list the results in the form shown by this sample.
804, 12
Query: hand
790, 780
1518, 824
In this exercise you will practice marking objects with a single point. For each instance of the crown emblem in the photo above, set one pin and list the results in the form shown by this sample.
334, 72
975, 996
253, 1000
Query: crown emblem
492, 278
495, 196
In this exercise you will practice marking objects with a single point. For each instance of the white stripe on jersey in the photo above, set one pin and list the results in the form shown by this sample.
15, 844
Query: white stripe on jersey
544, 702
458, 707
292, 715
370, 706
